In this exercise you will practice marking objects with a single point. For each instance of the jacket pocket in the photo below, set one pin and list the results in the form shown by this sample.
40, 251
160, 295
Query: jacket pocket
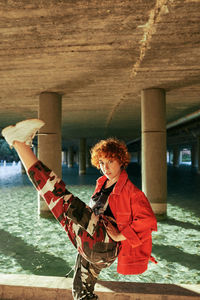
143, 251
140, 252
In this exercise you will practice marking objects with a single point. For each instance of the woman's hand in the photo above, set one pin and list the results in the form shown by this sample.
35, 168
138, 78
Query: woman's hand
113, 232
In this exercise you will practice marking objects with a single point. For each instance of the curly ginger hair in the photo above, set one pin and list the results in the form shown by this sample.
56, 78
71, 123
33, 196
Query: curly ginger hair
110, 148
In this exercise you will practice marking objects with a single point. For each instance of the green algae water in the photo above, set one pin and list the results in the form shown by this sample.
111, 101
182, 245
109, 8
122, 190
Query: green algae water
32, 245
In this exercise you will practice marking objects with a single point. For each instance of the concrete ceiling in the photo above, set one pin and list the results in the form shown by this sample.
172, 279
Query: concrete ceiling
99, 55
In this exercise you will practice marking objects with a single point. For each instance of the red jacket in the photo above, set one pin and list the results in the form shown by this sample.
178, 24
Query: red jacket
135, 220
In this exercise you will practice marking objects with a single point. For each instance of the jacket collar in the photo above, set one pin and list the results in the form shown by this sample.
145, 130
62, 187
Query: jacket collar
119, 185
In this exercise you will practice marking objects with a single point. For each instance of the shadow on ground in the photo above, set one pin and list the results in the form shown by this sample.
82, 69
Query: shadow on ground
175, 255
31, 258
182, 224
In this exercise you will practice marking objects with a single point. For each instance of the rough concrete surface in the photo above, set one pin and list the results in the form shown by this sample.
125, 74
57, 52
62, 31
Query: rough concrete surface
98, 55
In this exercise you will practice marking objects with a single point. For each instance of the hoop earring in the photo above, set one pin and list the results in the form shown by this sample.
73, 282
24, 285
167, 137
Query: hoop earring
101, 172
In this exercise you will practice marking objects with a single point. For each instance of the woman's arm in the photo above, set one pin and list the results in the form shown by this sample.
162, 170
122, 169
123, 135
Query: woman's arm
143, 220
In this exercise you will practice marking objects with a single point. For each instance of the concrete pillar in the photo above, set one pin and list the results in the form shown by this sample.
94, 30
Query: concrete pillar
181, 157
88, 158
194, 155
82, 156
64, 157
154, 166
49, 139
176, 157
70, 157
167, 156
76, 157
170, 156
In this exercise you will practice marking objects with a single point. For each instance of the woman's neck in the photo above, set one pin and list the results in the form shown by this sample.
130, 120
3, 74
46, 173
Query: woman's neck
110, 182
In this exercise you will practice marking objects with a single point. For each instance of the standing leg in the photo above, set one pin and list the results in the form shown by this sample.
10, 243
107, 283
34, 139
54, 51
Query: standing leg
84, 280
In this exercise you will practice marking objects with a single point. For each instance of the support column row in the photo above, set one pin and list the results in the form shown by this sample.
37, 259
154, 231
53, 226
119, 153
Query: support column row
82, 159
195, 155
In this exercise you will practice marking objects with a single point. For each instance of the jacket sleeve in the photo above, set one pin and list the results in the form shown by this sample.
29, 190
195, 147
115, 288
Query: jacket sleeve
143, 220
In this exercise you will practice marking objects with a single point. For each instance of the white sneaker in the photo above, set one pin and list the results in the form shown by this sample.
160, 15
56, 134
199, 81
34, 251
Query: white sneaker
23, 131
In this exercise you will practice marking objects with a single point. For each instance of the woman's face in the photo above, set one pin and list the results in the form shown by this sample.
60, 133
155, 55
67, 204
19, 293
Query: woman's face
110, 167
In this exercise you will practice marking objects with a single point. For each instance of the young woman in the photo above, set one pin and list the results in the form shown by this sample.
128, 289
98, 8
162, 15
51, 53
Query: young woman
117, 223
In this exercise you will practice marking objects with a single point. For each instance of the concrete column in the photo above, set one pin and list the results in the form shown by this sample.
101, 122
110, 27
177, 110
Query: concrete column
176, 157
88, 158
64, 157
154, 166
181, 157
170, 156
167, 156
49, 139
70, 157
194, 155
82, 156
76, 157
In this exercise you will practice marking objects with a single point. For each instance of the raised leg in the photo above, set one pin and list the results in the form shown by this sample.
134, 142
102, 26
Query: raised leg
84, 229
26, 154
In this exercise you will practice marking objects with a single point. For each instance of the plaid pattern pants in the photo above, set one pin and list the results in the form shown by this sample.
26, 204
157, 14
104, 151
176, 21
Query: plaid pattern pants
96, 250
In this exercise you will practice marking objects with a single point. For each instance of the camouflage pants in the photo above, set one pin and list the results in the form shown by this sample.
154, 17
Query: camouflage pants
87, 232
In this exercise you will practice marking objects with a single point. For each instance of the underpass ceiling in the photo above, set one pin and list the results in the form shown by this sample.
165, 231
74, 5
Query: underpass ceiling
99, 55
